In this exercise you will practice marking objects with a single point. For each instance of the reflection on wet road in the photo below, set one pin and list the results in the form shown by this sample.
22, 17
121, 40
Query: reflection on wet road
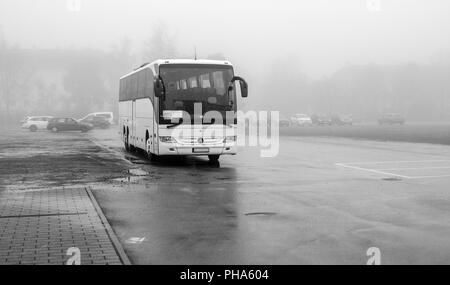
296, 208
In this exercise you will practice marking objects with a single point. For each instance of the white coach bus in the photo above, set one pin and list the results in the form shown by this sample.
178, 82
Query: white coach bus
165, 107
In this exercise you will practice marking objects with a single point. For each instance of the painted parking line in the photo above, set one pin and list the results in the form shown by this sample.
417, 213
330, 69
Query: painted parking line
414, 168
372, 170
430, 176
393, 161
394, 171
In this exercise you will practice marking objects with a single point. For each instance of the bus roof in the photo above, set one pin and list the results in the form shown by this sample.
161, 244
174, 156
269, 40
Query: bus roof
179, 61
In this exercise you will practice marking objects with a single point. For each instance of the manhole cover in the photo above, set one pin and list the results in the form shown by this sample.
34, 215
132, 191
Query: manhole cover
392, 179
261, 214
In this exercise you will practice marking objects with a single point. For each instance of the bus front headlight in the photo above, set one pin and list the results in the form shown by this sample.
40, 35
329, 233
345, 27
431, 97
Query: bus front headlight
230, 139
165, 139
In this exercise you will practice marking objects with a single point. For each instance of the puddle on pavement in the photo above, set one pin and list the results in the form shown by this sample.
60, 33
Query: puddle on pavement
137, 172
135, 240
134, 176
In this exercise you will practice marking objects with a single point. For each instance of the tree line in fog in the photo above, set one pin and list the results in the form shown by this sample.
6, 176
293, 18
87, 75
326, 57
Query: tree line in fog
77, 82
418, 91
72, 82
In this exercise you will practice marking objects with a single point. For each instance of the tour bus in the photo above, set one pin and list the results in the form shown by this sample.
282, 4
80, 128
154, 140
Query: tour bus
181, 107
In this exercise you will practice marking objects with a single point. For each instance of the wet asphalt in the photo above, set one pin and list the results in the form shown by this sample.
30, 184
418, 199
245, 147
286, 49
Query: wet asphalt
300, 207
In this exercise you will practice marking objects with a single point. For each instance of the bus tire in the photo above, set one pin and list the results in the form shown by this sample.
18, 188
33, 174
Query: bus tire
153, 157
214, 158
33, 128
126, 140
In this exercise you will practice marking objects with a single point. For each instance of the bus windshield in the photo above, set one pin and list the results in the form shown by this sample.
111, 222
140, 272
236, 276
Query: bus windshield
188, 84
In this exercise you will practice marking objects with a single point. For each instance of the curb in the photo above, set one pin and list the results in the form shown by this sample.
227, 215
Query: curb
112, 236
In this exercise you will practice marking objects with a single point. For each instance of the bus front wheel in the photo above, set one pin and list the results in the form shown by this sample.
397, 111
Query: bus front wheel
153, 157
213, 158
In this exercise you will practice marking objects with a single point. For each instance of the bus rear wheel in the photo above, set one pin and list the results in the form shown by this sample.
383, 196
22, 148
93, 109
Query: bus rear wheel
153, 157
213, 158
127, 146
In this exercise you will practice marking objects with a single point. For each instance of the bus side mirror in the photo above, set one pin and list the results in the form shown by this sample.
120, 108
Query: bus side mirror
158, 85
244, 89
243, 85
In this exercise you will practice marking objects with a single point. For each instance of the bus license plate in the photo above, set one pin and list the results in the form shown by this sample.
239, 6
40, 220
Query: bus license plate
200, 150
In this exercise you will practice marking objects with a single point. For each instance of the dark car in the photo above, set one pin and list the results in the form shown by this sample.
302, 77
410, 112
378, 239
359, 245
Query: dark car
321, 120
284, 122
96, 122
67, 124
391, 119
342, 120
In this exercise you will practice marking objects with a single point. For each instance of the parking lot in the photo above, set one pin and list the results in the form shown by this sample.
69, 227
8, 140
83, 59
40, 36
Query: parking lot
320, 201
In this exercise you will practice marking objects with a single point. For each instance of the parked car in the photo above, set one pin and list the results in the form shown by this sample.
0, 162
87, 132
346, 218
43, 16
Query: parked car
284, 122
24, 120
36, 123
301, 120
391, 119
96, 121
342, 120
321, 120
67, 124
106, 115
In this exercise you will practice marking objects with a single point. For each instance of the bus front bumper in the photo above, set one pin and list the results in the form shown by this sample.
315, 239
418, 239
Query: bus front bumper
178, 149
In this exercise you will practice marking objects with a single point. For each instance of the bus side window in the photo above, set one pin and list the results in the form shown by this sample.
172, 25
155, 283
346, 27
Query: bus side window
127, 92
141, 84
149, 84
134, 86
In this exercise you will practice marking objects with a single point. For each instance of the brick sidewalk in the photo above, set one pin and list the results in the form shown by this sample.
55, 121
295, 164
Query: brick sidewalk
39, 226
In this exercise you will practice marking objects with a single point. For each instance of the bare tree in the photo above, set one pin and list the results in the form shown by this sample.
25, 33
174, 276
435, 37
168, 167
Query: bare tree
160, 45
85, 83
9, 77
3, 81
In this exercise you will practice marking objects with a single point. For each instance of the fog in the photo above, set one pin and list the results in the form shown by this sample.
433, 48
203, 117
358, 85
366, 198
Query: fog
355, 56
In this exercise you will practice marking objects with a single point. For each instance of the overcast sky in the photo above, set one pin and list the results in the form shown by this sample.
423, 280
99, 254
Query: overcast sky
322, 35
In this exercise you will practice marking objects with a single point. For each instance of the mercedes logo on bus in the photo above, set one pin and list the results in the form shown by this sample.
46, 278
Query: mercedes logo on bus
200, 140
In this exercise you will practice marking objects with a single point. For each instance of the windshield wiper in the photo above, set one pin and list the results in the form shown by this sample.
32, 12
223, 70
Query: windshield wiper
176, 124
212, 122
